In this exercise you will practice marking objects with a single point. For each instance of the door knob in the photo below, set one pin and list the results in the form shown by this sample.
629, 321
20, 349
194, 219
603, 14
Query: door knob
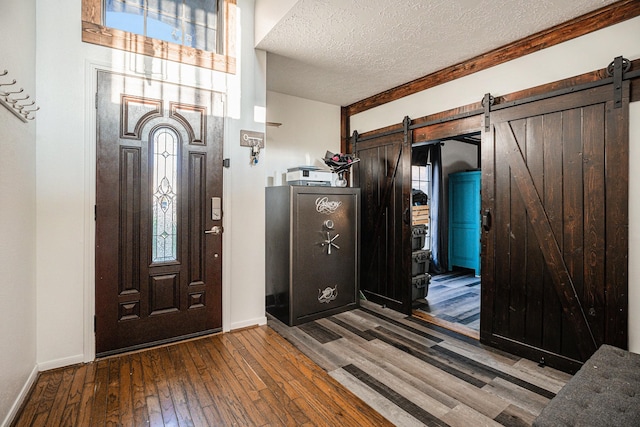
216, 229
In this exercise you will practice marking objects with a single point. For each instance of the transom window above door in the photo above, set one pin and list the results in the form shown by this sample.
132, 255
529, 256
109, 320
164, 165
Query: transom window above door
190, 23
196, 32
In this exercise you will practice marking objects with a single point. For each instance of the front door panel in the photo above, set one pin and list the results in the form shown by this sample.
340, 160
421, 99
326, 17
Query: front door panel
159, 160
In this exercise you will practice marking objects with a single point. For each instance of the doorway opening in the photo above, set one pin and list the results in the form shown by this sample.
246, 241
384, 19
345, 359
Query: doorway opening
445, 177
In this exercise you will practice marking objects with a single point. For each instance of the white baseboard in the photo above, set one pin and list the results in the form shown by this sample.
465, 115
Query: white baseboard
21, 397
247, 323
60, 363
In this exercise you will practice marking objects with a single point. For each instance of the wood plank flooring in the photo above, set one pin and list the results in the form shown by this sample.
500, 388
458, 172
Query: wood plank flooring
373, 367
251, 377
453, 297
415, 373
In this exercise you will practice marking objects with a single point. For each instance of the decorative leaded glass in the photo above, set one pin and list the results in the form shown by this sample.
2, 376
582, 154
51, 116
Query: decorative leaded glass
165, 197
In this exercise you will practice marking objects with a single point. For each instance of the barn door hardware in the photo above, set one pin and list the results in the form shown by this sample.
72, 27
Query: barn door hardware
486, 220
616, 72
406, 126
616, 69
487, 102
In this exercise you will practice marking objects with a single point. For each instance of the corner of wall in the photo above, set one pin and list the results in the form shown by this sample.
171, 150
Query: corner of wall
22, 395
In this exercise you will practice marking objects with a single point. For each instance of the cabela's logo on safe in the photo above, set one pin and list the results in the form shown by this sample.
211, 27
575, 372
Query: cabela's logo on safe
325, 206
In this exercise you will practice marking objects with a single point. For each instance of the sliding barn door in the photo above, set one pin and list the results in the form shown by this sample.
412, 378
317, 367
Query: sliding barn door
384, 176
555, 191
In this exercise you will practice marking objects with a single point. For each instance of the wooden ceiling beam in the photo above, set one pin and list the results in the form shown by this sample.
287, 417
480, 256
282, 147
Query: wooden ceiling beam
585, 24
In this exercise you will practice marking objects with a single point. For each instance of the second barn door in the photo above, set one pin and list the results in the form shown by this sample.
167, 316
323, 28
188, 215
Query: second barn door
554, 206
384, 177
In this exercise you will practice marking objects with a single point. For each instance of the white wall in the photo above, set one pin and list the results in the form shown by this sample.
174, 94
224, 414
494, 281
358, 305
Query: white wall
456, 157
66, 178
17, 214
309, 129
244, 244
17, 217
587, 53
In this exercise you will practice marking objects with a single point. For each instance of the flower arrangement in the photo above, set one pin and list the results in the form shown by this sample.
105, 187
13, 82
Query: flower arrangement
339, 162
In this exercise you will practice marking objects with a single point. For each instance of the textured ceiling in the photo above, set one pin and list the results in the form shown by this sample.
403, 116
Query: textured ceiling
342, 51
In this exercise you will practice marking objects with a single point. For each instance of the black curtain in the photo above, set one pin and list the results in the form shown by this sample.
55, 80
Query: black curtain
438, 230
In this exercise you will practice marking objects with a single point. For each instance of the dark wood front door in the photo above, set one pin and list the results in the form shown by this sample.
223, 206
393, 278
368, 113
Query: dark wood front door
554, 190
159, 175
384, 176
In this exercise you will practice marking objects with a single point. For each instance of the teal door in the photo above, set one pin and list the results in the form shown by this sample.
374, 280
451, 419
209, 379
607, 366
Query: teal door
464, 220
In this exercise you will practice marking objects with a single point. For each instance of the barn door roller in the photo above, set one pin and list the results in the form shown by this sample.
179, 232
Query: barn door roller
487, 102
616, 69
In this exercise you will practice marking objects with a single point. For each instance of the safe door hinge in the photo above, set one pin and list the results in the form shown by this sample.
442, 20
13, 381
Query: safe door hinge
95, 212
95, 323
96, 101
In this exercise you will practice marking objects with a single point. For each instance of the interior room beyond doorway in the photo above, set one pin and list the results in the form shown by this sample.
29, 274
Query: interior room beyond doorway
452, 298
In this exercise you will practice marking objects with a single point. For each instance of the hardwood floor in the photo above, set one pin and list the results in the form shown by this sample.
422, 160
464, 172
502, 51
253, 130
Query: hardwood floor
453, 298
251, 377
373, 367
415, 373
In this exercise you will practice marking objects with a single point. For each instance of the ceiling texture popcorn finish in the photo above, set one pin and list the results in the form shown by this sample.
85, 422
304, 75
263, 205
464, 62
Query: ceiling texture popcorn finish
340, 52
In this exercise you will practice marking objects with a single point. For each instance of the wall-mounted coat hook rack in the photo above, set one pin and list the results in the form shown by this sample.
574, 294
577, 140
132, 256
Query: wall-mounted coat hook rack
11, 92
17, 105
21, 106
16, 100
7, 84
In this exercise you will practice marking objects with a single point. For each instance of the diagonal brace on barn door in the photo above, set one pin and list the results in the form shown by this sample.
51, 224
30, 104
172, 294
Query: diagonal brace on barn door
541, 225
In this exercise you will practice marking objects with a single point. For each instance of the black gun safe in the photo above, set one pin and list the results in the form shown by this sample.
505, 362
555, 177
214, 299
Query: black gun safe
312, 244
